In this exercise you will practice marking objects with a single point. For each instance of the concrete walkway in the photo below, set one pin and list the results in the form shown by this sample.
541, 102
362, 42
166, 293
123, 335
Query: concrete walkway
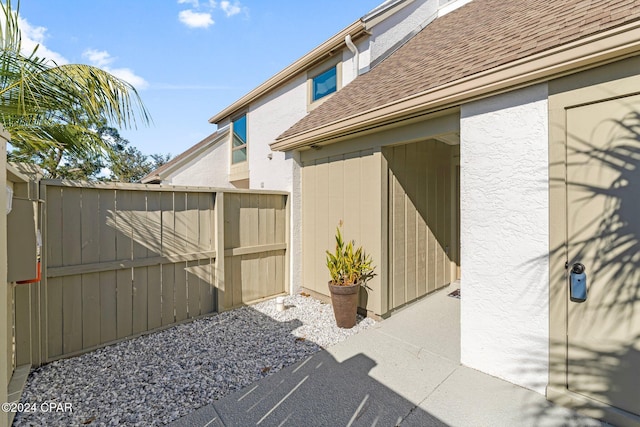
403, 372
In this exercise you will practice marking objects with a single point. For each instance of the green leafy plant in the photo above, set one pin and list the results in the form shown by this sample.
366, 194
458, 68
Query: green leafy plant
348, 265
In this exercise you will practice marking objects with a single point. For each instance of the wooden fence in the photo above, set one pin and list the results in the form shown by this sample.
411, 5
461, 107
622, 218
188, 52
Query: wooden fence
120, 260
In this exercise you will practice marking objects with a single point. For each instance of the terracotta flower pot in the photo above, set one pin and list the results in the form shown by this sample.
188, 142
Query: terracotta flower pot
345, 304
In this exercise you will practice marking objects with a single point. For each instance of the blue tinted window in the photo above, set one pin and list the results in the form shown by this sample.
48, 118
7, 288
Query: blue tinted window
240, 131
325, 84
239, 143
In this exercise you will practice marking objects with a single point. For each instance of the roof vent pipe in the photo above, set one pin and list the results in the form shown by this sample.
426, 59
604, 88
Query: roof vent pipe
356, 55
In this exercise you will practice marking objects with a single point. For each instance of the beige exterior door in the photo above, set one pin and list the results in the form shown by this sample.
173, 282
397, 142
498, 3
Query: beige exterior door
422, 219
603, 233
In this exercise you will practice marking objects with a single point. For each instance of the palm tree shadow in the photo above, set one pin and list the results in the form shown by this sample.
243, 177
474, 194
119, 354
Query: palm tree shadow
600, 357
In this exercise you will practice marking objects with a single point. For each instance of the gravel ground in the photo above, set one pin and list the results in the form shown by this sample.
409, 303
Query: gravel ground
157, 378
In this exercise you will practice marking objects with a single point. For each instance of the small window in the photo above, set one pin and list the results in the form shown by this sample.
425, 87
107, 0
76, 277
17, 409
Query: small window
325, 84
239, 140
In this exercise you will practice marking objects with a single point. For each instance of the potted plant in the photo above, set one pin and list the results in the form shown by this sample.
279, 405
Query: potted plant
349, 268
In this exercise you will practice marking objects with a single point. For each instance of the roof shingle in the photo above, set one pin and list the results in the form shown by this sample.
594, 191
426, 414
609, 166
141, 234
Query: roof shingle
477, 37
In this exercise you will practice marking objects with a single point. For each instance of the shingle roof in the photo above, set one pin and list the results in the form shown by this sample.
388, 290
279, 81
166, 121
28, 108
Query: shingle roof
477, 37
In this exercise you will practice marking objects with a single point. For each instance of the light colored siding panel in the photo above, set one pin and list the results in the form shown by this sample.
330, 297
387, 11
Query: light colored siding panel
411, 176
309, 203
440, 220
352, 192
422, 233
324, 228
432, 243
399, 234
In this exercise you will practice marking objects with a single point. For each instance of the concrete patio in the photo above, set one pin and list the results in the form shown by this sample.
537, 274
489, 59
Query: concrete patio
405, 371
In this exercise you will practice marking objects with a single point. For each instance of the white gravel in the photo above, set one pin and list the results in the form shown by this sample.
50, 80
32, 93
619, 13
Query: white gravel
157, 378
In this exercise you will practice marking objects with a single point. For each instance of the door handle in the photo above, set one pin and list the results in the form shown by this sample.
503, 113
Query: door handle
578, 283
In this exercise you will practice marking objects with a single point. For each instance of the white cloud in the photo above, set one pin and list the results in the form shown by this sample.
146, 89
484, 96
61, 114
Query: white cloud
102, 59
35, 36
99, 58
195, 19
230, 9
193, 3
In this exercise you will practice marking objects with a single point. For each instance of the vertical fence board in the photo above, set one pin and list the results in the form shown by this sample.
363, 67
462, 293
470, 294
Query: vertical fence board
154, 274
206, 286
154, 295
140, 300
22, 301
124, 285
72, 285
193, 289
107, 280
108, 307
54, 318
181, 219
140, 243
92, 226
192, 237
180, 291
168, 312
90, 254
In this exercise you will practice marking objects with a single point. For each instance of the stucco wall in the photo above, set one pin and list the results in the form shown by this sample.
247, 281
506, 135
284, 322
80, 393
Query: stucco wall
504, 236
210, 169
386, 35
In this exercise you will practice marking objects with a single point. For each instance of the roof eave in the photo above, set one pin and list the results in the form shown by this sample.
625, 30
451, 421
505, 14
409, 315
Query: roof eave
307, 61
589, 52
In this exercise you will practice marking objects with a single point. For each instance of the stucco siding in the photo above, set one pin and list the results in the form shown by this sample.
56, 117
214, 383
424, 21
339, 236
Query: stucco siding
210, 169
389, 34
504, 236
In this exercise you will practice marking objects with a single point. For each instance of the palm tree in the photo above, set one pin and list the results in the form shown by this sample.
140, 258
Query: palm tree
45, 105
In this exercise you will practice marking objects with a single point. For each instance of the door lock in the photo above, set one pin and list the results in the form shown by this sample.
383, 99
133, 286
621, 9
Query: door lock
578, 283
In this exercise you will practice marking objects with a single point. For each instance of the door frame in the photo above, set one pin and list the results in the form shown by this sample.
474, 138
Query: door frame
603, 83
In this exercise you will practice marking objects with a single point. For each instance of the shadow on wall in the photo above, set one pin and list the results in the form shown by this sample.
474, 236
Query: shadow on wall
601, 358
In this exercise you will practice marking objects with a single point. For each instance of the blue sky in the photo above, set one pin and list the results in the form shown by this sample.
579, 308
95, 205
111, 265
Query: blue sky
188, 58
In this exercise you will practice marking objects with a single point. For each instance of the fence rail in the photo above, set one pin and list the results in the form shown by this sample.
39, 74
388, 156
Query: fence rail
120, 260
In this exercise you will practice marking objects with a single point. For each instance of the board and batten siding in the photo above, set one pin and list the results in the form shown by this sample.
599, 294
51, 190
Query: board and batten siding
422, 219
344, 188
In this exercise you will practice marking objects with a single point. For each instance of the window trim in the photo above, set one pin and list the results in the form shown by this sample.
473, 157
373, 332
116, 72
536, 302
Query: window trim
246, 142
315, 72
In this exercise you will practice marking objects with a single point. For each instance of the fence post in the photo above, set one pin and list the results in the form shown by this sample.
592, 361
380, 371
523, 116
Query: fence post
219, 248
5, 347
